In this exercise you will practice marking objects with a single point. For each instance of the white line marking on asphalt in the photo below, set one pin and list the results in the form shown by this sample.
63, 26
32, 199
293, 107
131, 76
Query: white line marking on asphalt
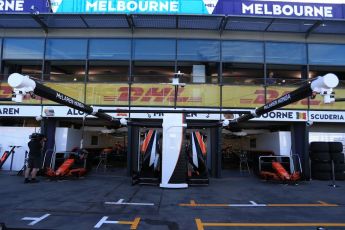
120, 202
35, 220
105, 221
252, 204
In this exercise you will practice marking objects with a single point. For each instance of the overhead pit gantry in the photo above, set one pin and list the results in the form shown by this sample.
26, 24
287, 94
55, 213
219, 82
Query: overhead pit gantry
23, 85
321, 85
173, 121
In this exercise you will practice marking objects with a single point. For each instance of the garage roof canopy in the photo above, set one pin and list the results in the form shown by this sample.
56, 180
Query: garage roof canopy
203, 22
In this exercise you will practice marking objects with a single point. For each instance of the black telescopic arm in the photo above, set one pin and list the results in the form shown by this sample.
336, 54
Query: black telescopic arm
5, 99
296, 95
339, 99
48, 93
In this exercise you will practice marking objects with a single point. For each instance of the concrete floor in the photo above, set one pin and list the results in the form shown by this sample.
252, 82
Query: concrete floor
255, 204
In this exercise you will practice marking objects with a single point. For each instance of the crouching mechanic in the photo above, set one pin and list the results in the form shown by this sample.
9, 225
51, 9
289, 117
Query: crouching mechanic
36, 145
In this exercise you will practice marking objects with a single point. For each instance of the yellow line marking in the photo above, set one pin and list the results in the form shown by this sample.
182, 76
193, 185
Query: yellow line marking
211, 205
125, 222
273, 224
319, 204
302, 205
193, 204
134, 224
200, 225
327, 204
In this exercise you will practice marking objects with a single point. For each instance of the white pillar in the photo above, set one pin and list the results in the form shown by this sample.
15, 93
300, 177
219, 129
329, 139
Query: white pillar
173, 135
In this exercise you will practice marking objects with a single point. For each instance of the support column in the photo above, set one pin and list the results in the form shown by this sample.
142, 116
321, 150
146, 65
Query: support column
132, 149
216, 158
48, 127
300, 145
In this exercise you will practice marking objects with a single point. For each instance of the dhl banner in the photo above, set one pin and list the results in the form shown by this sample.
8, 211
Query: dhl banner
254, 96
238, 96
153, 95
107, 94
74, 90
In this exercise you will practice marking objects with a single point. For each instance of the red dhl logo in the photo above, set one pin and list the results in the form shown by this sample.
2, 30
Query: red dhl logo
154, 94
122, 114
274, 94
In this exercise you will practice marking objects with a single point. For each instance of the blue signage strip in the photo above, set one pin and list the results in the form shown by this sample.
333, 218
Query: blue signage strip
288, 9
330, 9
130, 6
24, 6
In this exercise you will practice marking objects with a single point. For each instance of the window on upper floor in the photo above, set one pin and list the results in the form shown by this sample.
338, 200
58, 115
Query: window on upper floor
326, 54
243, 51
153, 72
243, 73
64, 71
198, 50
109, 49
23, 49
66, 49
33, 68
199, 72
154, 49
284, 75
286, 53
108, 71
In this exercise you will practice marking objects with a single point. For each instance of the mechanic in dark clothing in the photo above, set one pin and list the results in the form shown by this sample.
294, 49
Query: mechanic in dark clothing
35, 144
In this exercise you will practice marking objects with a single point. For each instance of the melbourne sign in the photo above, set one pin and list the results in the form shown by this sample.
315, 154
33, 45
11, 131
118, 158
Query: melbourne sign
131, 6
306, 9
272, 8
27, 6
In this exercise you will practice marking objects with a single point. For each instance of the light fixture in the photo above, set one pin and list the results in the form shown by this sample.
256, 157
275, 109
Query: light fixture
75, 79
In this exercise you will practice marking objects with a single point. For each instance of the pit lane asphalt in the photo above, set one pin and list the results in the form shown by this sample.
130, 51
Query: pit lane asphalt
80, 204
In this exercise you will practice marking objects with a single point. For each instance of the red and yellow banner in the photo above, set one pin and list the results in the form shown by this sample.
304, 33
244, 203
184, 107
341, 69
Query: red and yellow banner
254, 96
153, 95
202, 95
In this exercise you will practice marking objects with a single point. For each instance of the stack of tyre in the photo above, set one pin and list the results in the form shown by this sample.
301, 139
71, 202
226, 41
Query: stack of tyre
322, 154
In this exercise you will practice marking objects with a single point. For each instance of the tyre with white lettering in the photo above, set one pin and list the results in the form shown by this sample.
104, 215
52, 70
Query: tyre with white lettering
321, 167
318, 147
335, 147
321, 175
338, 157
320, 157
